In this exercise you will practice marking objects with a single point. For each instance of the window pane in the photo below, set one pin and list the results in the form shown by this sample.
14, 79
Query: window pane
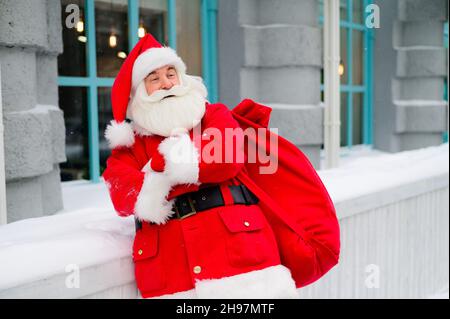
189, 35
153, 19
73, 102
72, 62
322, 82
357, 118
343, 119
343, 10
357, 11
343, 51
104, 117
357, 63
111, 31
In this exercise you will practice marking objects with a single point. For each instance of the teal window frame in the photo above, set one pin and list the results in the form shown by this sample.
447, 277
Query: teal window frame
445, 135
209, 47
92, 82
367, 87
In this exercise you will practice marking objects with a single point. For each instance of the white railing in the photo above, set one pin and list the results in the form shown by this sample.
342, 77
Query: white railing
3, 217
395, 241
394, 245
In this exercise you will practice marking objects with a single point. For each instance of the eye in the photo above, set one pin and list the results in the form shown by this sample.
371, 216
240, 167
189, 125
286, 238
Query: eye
154, 79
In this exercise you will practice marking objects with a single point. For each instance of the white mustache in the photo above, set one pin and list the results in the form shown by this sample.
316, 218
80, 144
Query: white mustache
176, 90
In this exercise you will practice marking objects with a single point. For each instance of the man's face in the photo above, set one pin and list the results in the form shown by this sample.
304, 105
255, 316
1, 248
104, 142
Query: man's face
163, 78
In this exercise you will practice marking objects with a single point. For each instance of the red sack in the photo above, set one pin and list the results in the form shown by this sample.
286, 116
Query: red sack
293, 199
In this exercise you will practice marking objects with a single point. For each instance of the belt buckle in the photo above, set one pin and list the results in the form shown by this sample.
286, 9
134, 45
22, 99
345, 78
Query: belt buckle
193, 211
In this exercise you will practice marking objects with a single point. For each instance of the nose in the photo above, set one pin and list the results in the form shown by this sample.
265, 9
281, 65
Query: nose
167, 84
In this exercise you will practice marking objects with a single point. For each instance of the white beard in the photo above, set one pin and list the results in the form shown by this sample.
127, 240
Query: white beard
167, 116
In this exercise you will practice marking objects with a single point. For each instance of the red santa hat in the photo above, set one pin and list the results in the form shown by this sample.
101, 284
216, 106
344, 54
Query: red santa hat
147, 56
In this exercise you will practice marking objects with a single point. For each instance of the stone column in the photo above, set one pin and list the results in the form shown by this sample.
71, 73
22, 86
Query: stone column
410, 67
30, 41
271, 51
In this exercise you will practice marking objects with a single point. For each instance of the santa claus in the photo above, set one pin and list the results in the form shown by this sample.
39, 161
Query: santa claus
207, 228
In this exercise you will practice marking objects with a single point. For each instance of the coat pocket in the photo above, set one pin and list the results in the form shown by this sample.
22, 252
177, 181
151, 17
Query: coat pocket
248, 242
149, 270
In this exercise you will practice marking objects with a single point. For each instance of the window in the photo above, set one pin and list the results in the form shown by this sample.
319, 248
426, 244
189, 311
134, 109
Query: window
355, 69
94, 52
445, 137
76, 122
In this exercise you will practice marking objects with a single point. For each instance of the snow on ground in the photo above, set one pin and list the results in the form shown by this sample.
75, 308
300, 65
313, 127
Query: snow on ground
84, 194
88, 231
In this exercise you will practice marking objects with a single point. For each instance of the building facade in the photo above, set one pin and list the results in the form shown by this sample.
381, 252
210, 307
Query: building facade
57, 76
30, 42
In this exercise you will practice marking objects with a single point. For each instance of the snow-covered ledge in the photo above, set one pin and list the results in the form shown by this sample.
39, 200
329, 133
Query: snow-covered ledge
374, 179
383, 202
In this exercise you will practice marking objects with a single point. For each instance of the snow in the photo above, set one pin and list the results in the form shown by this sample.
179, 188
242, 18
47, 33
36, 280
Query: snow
359, 175
39, 108
84, 194
88, 231
420, 103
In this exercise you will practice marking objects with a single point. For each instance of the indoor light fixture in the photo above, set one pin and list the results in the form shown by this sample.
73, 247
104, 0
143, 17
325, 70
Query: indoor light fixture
141, 30
80, 26
112, 40
341, 68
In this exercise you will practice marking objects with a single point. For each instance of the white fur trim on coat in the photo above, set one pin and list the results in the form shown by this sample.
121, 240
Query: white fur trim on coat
119, 134
188, 294
181, 167
181, 159
269, 283
152, 59
151, 204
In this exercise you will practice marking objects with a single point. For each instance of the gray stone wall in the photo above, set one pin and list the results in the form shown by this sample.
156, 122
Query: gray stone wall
30, 41
271, 51
410, 68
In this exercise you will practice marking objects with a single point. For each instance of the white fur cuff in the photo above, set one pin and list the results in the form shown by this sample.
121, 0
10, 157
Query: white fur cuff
119, 134
181, 159
151, 204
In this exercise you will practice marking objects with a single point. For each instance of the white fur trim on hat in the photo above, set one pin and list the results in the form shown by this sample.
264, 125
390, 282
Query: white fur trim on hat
151, 204
119, 134
181, 159
155, 58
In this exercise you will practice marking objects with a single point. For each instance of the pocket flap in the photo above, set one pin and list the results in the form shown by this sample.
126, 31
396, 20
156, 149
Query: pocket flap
242, 218
145, 243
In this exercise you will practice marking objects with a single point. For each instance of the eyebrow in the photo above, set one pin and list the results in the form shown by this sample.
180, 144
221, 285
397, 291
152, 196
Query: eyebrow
169, 69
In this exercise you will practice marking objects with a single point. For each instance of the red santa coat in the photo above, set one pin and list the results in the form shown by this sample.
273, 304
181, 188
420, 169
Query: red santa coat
220, 252
213, 253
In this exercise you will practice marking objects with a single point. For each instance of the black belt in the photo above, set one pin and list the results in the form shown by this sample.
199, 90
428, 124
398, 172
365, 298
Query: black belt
205, 198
